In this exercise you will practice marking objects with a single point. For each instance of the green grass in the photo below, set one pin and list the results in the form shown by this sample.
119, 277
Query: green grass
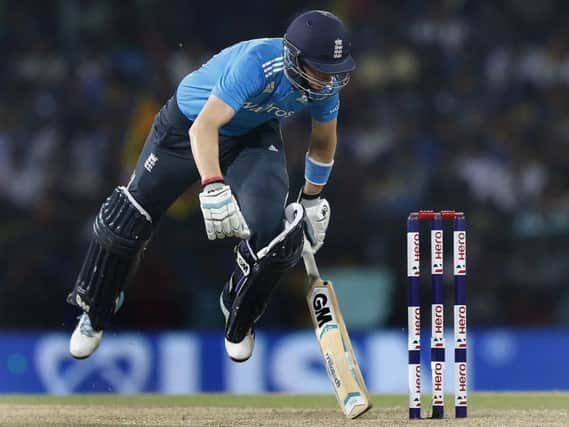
550, 400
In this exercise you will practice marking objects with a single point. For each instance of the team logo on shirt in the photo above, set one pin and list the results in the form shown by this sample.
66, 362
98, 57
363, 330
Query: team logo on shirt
267, 108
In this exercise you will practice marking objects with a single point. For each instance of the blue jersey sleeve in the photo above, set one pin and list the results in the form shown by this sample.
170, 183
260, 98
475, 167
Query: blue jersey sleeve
241, 80
326, 110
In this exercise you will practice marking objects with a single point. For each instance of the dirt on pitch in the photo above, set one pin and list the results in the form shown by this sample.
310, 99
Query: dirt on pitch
82, 415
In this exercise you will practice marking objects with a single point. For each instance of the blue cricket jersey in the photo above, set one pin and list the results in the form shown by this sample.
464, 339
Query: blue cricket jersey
249, 77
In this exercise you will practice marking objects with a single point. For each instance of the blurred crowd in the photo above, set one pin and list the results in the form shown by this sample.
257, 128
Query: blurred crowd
455, 105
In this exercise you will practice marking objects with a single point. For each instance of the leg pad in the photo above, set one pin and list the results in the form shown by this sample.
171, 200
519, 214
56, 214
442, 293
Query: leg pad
120, 232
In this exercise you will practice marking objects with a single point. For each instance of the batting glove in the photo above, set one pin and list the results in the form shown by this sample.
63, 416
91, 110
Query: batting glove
221, 213
316, 220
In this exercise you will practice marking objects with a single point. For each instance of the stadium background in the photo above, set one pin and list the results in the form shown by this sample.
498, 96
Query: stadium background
455, 105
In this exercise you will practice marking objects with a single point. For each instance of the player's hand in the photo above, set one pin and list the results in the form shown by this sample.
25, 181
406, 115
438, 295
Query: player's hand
221, 213
317, 219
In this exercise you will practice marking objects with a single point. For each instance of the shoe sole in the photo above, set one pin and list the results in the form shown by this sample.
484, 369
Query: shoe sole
78, 357
239, 360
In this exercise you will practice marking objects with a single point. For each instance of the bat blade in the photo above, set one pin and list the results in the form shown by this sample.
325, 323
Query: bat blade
339, 359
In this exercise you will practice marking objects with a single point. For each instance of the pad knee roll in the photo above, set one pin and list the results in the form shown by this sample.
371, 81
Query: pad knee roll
120, 232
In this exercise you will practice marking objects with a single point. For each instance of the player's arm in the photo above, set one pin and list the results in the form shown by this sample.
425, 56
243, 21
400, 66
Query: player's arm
221, 212
204, 137
222, 215
318, 165
321, 151
240, 80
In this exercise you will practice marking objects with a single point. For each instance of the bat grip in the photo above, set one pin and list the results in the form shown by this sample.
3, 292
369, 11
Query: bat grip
309, 261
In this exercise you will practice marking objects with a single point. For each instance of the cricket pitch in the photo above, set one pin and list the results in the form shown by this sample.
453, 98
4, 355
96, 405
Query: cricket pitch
485, 409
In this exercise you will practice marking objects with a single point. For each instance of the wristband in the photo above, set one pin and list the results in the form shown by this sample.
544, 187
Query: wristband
210, 179
305, 196
316, 172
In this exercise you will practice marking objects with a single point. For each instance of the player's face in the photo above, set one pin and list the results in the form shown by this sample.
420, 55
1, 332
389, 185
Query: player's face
316, 75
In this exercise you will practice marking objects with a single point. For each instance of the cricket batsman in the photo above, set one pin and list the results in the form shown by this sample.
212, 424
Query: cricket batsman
222, 127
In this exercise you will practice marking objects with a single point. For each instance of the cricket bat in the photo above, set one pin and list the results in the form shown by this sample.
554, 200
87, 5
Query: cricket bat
339, 359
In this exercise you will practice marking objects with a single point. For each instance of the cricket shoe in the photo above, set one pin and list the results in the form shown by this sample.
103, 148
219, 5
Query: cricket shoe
85, 339
241, 351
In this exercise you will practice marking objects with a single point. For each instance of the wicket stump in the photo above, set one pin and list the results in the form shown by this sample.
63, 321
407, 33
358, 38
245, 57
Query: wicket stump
437, 312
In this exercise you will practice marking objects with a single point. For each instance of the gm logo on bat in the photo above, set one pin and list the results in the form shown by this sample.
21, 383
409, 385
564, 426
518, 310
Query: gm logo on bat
322, 310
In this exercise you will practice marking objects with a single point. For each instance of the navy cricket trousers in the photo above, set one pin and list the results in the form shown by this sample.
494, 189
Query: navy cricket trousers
254, 166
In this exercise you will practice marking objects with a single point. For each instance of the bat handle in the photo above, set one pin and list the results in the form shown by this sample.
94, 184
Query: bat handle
309, 261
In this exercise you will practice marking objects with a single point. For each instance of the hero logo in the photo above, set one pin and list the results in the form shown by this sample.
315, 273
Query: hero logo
438, 319
414, 255
437, 377
416, 249
461, 380
461, 245
417, 382
437, 251
321, 310
460, 252
267, 108
415, 319
460, 324
332, 370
